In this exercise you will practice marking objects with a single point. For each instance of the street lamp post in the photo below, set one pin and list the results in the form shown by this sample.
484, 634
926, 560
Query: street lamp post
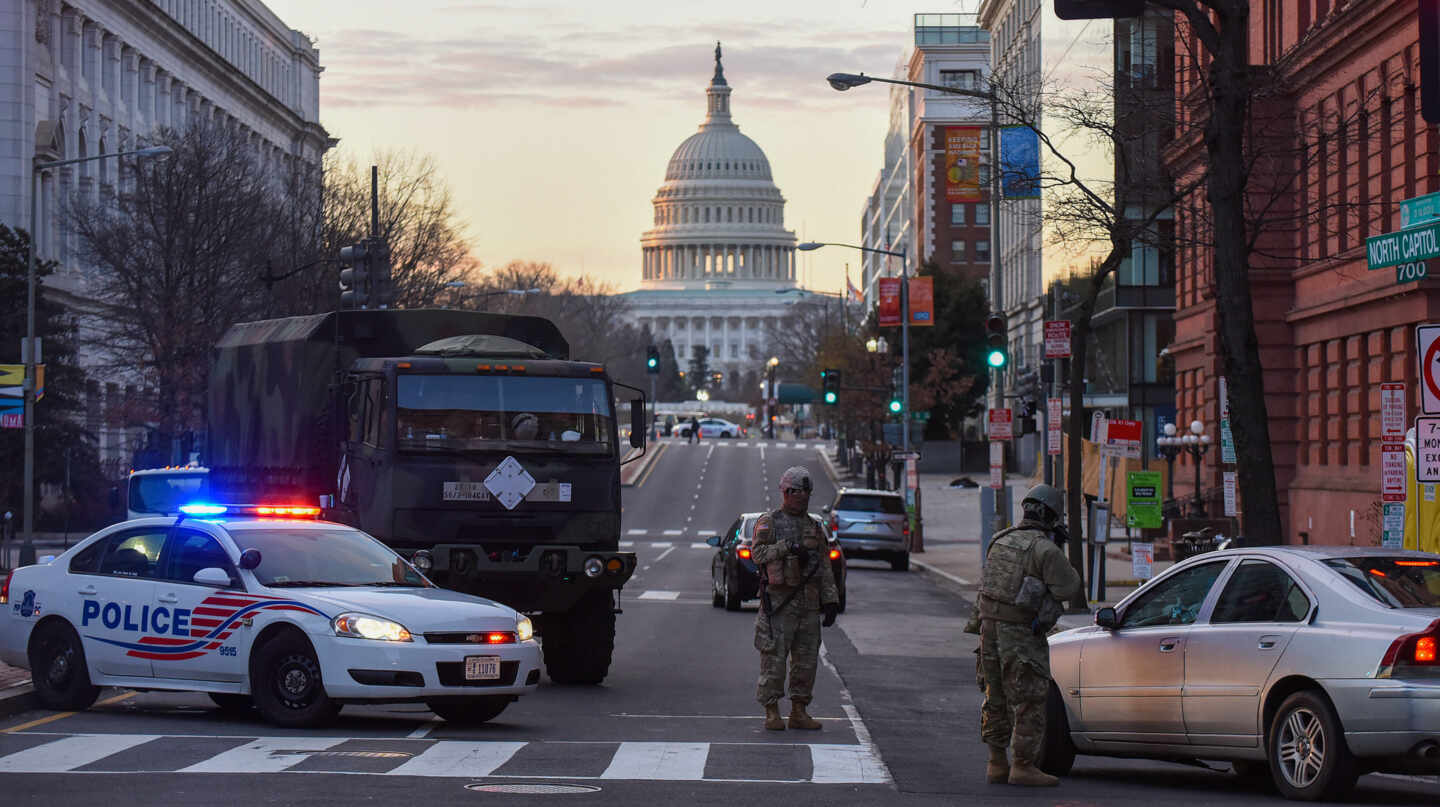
769, 396
1168, 446
1196, 443
27, 544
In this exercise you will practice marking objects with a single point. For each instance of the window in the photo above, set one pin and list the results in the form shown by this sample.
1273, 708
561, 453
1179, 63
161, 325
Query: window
189, 551
982, 251
960, 79
87, 560
982, 215
957, 214
1260, 592
1176, 600
866, 503
324, 556
957, 252
132, 554
454, 413
1399, 582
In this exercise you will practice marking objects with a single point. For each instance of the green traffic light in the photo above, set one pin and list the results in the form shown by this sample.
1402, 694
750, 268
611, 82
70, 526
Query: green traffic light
829, 397
995, 358
895, 407
651, 362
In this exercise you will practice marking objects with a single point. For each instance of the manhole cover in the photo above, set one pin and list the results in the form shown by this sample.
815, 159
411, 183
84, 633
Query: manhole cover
359, 754
532, 789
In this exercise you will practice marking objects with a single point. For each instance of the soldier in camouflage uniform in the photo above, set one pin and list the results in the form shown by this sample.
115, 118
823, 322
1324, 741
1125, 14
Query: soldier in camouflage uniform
796, 586
1027, 578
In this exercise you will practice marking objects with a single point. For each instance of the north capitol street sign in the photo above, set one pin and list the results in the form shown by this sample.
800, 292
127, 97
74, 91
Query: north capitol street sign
1406, 246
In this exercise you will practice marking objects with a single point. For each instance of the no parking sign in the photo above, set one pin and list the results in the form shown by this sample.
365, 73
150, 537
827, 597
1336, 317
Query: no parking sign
1427, 344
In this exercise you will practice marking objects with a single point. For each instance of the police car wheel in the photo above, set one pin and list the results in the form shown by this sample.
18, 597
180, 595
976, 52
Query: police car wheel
470, 710
230, 702
58, 670
288, 689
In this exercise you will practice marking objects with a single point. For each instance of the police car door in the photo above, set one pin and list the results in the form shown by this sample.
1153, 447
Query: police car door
205, 621
111, 586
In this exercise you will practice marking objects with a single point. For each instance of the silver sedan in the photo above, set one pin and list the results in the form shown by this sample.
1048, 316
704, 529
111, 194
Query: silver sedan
1312, 665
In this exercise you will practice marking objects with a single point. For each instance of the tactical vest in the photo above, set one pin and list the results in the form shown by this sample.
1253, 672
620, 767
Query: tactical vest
785, 529
1006, 561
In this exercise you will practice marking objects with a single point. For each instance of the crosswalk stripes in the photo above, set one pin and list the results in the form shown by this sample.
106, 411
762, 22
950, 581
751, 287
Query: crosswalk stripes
431, 758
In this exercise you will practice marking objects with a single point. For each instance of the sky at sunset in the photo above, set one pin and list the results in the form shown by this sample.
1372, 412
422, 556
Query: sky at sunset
553, 121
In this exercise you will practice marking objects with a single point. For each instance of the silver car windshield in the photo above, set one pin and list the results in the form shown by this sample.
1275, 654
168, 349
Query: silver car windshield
303, 557
1399, 582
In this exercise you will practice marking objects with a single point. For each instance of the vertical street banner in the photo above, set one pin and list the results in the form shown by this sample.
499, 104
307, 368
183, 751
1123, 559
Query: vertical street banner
888, 289
1052, 433
1227, 440
1392, 472
1057, 339
962, 163
1019, 163
1229, 477
1392, 412
12, 393
922, 301
1142, 499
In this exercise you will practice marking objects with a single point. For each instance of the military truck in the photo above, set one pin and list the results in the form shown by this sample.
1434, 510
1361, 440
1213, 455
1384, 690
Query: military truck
467, 442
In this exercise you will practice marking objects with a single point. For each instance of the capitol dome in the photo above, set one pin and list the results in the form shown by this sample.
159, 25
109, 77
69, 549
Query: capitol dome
719, 219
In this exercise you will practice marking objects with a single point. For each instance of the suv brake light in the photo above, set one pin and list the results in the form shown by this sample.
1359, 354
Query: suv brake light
1411, 649
5, 588
743, 552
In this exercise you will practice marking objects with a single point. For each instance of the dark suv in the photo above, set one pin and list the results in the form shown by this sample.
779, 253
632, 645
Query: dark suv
735, 577
871, 524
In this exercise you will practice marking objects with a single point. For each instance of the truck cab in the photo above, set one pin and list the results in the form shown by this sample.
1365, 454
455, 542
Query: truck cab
160, 491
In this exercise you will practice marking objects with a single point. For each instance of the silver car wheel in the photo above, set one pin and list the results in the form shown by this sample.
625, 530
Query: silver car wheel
1302, 748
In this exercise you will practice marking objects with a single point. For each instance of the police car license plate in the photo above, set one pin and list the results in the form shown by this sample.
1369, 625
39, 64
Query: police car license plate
482, 668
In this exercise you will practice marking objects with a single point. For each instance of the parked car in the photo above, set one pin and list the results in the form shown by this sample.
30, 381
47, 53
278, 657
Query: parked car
871, 524
712, 427
734, 577
1312, 665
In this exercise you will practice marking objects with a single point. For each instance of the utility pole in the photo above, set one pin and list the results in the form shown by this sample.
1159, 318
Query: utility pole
997, 298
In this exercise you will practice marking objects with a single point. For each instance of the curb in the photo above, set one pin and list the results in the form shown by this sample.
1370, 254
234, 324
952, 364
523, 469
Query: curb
17, 698
645, 463
930, 569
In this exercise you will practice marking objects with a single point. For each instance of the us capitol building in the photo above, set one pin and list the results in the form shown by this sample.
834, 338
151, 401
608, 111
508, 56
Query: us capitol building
719, 259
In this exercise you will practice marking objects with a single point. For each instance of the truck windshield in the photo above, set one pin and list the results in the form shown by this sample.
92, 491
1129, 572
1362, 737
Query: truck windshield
320, 557
164, 493
476, 412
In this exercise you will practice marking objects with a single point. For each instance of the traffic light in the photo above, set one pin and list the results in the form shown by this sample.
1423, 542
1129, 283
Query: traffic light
997, 352
382, 288
356, 279
1430, 60
897, 385
831, 382
1098, 9
652, 360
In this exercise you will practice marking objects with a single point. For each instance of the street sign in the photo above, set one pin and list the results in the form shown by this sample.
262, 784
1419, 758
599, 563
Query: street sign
1057, 339
1122, 438
1227, 437
906, 455
1419, 210
1427, 449
1052, 431
1406, 272
1392, 472
1392, 528
1142, 499
1230, 493
1419, 243
1392, 412
1000, 424
997, 464
1142, 559
1427, 348
1097, 427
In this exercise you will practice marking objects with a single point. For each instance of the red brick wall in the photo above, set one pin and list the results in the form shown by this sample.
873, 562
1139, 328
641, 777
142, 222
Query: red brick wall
934, 218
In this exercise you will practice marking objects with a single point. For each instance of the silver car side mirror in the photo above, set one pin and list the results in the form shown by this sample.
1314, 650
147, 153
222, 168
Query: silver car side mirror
1106, 618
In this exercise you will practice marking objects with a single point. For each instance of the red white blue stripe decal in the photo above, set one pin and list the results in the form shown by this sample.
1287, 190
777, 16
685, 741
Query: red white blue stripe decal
211, 623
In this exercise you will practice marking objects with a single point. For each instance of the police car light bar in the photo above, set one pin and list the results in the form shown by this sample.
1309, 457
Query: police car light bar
280, 510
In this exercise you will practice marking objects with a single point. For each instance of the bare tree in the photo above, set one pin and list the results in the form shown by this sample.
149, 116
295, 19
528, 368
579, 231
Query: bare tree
173, 253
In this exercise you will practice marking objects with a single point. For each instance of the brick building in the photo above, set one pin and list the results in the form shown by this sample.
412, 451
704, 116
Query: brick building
1340, 142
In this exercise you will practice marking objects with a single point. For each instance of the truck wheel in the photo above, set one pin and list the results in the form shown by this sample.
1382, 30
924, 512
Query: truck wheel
57, 667
578, 644
470, 711
286, 684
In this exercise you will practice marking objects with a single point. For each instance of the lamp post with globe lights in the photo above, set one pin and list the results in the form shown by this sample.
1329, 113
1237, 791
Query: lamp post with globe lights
1195, 443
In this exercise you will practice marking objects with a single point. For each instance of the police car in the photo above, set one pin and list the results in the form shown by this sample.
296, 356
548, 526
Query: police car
263, 606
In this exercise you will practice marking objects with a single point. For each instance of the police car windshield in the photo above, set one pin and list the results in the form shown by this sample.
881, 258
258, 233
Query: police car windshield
478, 412
323, 557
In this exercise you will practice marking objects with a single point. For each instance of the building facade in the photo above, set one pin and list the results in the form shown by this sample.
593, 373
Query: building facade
93, 77
910, 205
1342, 111
718, 261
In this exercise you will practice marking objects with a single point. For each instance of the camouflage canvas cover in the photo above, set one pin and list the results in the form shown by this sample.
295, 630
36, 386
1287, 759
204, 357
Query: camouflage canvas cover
272, 415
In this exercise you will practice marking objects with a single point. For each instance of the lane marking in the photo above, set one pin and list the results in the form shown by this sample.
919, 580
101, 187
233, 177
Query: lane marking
701, 546
454, 758
660, 544
636, 532
674, 532
265, 755
857, 725
651, 761
663, 554
71, 752
627, 543
658, 595
425, 728
62, 715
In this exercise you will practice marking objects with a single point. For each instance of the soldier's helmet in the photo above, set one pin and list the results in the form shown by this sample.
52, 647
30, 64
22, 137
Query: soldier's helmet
796, 477
1047, 496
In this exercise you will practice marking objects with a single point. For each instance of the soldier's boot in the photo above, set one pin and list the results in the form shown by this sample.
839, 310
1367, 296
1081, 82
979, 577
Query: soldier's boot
997, 770
773, 721
800, 720
1025, 774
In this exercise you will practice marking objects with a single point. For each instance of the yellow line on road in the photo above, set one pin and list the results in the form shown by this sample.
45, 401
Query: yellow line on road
62, 715
653, 463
